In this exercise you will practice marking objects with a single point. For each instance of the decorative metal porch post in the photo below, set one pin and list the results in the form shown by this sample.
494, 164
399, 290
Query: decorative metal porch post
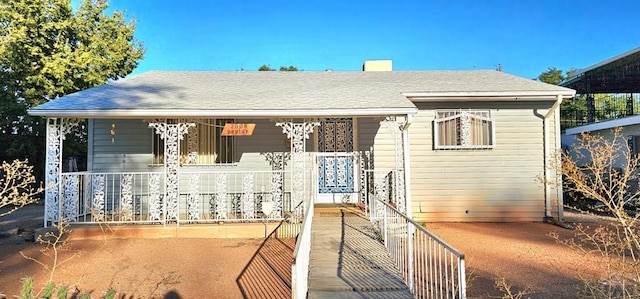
172, 134
298, 133
398, 177
54, 208
278, 161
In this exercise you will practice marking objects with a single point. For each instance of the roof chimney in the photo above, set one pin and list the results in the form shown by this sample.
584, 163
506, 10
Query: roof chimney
377, 65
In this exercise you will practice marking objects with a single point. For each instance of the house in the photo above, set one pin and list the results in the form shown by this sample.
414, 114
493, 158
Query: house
172, 146
611, 98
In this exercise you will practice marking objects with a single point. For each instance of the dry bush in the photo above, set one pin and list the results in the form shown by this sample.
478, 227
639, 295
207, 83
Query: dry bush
608, 181
507, 293
17, 185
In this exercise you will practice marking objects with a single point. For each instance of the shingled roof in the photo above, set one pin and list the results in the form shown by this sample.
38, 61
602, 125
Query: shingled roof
281, 94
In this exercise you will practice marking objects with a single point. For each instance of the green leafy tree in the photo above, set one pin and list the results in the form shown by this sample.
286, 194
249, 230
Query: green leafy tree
48, 50
552, 76
573, 111
267, 68
290, 68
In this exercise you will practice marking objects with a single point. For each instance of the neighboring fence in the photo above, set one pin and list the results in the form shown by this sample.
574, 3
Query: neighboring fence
302, 256
431, 267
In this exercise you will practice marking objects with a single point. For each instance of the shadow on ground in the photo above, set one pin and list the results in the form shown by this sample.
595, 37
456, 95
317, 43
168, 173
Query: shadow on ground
268, 273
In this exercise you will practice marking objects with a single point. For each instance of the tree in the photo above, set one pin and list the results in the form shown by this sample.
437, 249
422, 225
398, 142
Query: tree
574, 111
267, 68
552, 76
291, 68
47, 51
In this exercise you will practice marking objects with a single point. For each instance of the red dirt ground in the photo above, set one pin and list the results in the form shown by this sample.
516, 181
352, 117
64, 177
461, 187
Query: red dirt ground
523, 253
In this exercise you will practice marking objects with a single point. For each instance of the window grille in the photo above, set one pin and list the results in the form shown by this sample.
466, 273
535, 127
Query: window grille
464, 129
204, 144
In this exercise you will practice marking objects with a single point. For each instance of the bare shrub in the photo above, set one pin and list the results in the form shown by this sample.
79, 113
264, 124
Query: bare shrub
54, 243
604, 171
507, 293
17, 185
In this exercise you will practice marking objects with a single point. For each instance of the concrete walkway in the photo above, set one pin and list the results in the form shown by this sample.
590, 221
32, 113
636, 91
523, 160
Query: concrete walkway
347, 260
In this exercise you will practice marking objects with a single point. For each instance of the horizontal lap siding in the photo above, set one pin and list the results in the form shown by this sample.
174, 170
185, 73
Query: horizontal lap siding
481, 185
129, 149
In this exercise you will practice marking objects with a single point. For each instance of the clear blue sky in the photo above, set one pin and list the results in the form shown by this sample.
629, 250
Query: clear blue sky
526, 37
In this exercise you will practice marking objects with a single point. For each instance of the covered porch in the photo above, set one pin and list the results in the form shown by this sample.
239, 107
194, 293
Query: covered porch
325, 164
198, 147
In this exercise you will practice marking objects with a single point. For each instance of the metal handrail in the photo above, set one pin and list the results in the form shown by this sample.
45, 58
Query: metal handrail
430, 267
302, 256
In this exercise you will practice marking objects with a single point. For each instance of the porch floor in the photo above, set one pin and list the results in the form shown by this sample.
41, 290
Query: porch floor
347, 260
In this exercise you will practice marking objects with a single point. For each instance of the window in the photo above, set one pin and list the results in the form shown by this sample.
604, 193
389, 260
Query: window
203, 144
464, 129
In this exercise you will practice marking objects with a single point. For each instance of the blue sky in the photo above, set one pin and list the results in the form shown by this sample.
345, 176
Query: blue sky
525, 37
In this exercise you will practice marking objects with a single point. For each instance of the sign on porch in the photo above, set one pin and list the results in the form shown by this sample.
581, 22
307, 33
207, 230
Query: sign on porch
233, 129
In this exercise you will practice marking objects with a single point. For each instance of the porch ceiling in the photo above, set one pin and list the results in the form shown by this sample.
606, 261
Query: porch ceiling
277, 94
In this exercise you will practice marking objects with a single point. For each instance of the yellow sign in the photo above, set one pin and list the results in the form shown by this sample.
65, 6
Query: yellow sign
231, 129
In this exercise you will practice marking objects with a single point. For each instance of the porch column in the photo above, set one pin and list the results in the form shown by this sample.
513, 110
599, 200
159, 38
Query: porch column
54, 207
172, 133
298, 133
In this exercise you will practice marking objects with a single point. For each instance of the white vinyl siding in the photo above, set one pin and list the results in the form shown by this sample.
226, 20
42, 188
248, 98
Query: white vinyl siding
478, 185
130, 149
120, 145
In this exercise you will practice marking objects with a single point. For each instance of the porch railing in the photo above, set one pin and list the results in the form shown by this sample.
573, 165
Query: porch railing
204, 196
430, 267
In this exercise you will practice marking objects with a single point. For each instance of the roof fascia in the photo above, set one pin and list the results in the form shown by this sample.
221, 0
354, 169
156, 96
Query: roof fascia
605, 125
490, 96
172, 113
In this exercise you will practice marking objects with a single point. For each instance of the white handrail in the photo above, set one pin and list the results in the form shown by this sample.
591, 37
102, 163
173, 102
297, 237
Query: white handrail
430, 267
301, 257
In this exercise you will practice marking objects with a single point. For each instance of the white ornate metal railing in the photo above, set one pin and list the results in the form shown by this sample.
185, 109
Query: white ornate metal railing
430, 267
203, 196
302, 255
380, 184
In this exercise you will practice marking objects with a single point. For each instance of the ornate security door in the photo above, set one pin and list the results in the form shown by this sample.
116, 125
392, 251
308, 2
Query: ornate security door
336, 165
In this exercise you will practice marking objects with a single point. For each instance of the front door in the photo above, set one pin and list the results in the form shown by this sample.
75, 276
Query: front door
336, 162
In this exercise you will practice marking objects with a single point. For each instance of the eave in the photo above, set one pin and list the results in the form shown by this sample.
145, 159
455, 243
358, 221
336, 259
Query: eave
172, 113
489, 96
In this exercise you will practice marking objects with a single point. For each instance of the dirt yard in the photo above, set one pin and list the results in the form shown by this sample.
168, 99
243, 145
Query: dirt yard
522, 253
149, 268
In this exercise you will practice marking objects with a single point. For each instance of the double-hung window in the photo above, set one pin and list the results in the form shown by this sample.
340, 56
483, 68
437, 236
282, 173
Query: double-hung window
464, 129
203, 144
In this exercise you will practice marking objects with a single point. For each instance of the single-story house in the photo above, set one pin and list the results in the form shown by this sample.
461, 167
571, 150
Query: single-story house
200, 146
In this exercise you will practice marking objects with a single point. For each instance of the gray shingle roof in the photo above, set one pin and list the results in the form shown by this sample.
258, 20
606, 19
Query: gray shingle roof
280, 93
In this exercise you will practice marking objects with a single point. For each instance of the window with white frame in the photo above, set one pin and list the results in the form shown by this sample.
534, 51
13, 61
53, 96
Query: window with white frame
464, 129
203, 144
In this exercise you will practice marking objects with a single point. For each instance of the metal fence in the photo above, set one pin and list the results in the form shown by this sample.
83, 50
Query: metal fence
431, 267
141, 197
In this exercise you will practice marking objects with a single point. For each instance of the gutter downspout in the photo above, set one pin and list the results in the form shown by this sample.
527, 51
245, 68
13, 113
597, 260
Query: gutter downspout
555, 110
